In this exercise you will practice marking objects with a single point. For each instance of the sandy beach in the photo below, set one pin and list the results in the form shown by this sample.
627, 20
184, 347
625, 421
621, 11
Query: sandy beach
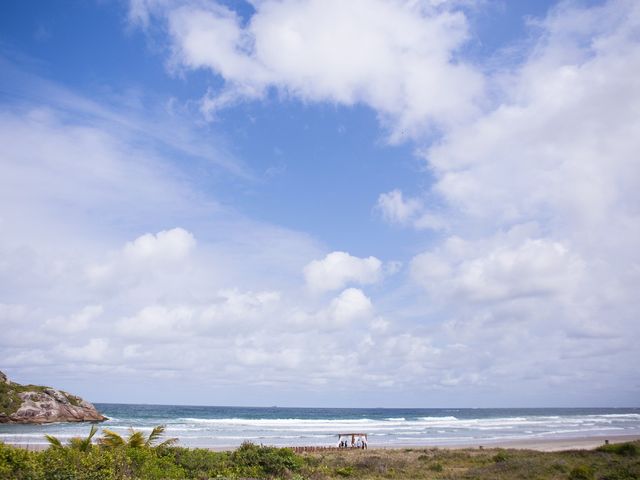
555, 445
538, 444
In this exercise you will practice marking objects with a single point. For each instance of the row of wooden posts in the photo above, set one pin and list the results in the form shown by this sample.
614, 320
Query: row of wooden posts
316, 449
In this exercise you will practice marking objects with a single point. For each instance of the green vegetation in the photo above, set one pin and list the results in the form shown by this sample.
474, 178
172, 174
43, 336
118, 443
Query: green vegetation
629, 449
10, 401
73, 400
145, 458
135, 439
76, 443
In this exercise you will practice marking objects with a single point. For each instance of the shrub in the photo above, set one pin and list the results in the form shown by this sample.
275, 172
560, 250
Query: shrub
18, 463
200, 463
627, 449
347, 471
500, 457
581, 472
559, 467
253, 460
59, 464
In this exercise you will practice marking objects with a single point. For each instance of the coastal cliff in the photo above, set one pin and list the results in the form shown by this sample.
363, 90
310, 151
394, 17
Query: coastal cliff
37, 404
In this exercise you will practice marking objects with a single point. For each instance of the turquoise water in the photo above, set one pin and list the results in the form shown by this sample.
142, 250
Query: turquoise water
230, 426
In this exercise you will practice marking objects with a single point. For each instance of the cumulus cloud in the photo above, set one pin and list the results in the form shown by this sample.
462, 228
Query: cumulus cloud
541, 192
350, 306
535, 267
338, 269
171, 245
396, 209
558, 145
399, 57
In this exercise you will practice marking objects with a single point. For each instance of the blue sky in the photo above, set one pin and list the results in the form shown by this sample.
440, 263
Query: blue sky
306, 203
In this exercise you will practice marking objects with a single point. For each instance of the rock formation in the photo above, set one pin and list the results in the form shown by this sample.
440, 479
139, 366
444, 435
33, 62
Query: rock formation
36, 404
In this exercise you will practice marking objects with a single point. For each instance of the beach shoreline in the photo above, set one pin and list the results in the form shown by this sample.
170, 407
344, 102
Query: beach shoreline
538, 444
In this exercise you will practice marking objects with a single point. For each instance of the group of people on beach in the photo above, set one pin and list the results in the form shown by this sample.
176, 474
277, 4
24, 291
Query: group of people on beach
359, 443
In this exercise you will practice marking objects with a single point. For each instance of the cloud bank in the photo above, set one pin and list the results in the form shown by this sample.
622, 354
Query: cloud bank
536, 182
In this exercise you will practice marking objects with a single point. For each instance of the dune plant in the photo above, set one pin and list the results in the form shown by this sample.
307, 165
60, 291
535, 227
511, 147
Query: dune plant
75, 443
135, 439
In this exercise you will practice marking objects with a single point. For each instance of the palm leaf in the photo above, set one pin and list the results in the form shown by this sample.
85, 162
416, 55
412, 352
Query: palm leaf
111, 439
84, 444
136, 439
168, 442
53, 441
77, 443
92, 432
155, 435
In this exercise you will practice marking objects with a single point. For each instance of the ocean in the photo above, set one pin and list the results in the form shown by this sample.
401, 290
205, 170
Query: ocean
386, 427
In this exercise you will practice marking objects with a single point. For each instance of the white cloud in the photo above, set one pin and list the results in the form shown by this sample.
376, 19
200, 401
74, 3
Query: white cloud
158, 322
399, 57
534, 267
338, 269
350, 306
541, 194
94, 351
77, 322
396, 209
167, 245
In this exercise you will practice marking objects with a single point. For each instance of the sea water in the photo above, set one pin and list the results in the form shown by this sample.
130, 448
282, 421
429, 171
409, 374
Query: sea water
230, 426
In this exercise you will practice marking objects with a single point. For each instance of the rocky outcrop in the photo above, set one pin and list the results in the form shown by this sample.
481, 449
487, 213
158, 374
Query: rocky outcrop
36, 404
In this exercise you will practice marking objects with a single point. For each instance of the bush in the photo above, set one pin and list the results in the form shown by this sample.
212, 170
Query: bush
259, 461
347, 471
581, 472
18, 463
200, 463
500, 457
627, 449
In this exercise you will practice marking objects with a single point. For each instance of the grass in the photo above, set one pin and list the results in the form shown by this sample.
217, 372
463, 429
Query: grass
611, 462
9, 400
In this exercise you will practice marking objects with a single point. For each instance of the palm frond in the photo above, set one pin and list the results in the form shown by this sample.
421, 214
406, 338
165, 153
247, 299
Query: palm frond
92, 432
169, 442
136, 439
155, 435
54, 441
84, 444
111, 439
77, 443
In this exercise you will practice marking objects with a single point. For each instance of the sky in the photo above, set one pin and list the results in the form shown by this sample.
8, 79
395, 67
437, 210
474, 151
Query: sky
380, 203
